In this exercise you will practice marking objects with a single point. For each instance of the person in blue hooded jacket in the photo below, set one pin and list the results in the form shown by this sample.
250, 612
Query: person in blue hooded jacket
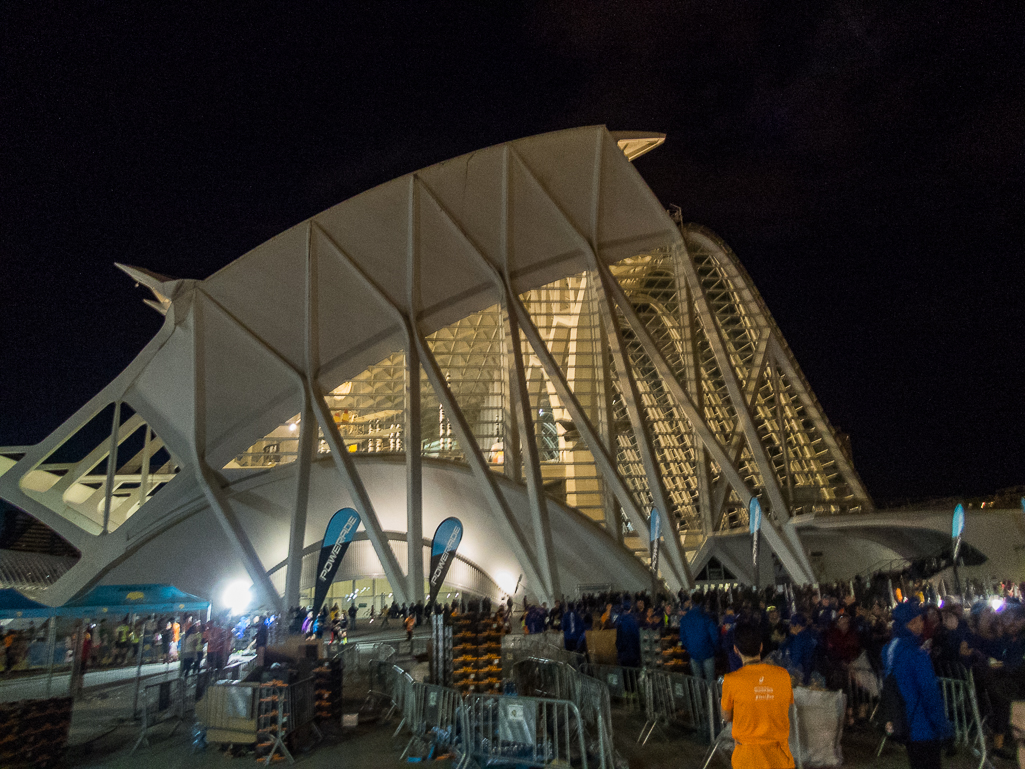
927, 723
700, 637
574, 629
628, 639
800, 646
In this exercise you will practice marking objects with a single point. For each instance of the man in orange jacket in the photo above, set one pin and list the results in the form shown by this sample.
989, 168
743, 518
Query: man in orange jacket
757, 699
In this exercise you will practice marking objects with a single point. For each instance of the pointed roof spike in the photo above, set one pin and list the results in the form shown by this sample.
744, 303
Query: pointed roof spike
163, 287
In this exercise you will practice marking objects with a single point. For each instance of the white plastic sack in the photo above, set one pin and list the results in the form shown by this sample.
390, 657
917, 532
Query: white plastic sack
864, 677
821, 717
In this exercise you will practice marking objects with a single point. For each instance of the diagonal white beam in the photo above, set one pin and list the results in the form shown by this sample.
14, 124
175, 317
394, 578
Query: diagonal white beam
361, 499
713, 333
642, 436
782, 359
489, 486
208, 480
519, 397
628, 385
350, 476
605, 464
736, 440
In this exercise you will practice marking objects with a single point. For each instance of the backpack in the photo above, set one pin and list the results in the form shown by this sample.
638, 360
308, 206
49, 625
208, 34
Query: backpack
893, 713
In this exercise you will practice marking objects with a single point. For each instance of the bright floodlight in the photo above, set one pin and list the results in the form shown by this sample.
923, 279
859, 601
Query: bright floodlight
237, 596
506, 581
996, 602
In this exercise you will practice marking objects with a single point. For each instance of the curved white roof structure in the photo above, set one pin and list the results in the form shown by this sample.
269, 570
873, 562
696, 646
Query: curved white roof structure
521, 337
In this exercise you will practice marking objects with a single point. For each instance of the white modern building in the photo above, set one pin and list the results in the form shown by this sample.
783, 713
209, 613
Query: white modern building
521, 337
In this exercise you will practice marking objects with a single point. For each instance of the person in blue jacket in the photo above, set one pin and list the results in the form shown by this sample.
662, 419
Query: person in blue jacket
700, 637
628, 639
800, 646
573, 629
903, 655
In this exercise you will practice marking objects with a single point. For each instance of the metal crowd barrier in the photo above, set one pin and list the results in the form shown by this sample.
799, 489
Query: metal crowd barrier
537, 677
293, 707
864, 687
387, 690
541, 678
406, 700
516, 648
302, 706
161, 701
676, 699
524, 731
591, 697
624, 684
437, 711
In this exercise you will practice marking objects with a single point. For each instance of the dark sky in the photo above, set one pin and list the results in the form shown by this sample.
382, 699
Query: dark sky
864, 160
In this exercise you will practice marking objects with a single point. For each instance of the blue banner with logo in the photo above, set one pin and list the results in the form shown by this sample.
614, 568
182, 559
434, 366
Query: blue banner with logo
443, 550
754, 517
654, 535
957, 529
339, 533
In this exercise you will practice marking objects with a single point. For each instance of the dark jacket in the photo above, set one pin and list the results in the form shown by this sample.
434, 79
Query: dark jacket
628, 640
698, 634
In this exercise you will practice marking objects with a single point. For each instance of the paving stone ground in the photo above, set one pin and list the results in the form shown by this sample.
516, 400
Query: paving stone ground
371, 746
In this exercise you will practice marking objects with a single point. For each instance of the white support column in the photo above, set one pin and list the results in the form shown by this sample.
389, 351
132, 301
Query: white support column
523, 412
414, 477
297, 528
715, 340
736, 446
464, 435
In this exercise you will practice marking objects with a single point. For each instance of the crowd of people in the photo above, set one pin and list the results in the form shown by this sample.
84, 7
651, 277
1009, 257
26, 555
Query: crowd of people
168, 639
832, 637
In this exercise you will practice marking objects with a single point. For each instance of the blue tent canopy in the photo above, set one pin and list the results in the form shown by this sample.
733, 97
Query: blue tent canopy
132, 599
13, 605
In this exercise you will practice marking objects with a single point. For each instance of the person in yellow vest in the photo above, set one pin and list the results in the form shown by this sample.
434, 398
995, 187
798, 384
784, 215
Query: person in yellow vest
121, 642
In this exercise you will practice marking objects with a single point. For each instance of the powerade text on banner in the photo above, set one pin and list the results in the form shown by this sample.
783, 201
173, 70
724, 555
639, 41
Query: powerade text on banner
339, 533
655, 531
755, 524
443, 551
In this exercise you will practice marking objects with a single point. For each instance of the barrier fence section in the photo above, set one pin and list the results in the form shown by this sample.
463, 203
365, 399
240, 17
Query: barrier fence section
282, 710
436, 714
161, 701
864, 686
676, 699
542, 678
516, 648
406, 700
387, 690
302, 706
624, 684
525, 731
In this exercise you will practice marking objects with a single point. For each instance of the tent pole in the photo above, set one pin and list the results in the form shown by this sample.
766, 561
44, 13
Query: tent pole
138, 670
51, 643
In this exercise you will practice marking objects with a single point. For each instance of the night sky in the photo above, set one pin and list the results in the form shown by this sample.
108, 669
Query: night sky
866, 161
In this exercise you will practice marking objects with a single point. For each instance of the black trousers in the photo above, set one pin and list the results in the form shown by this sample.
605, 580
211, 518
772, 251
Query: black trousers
924, 755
